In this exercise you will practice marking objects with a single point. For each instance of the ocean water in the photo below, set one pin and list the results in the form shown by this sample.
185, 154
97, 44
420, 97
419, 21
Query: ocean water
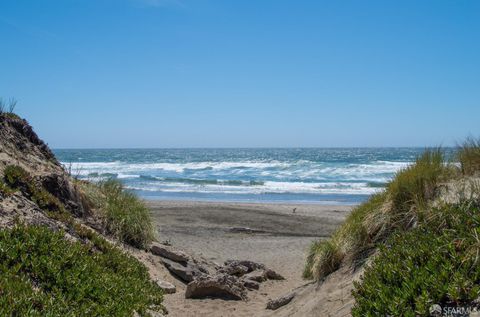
303, 175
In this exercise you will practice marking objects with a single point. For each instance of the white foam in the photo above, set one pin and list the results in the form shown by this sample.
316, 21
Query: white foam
306, 177
124, 176
89, 167
266, 188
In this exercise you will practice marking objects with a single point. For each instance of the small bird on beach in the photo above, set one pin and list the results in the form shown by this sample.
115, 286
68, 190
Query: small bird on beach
294, 209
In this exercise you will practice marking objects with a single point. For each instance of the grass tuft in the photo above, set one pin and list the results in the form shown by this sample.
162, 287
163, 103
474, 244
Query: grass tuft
8, 107
413, 187
469, 156
399, 207
324, 258
125, 215
351, 240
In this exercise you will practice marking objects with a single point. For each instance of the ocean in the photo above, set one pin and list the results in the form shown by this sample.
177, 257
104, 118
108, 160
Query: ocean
296, 175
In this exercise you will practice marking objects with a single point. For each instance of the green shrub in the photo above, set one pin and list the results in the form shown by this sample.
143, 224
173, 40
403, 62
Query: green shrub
97, 240
15, 176
42, 274
433, 263
5, 190
469, 156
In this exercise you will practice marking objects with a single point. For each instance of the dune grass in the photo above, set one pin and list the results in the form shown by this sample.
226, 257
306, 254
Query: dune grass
324, 258
469, 156
436, 260
351, 239
7, 107
124, 215
127, 217
428, 247
416, 185
43, 274
398, 207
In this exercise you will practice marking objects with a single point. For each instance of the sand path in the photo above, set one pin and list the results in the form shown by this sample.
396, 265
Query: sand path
273, 234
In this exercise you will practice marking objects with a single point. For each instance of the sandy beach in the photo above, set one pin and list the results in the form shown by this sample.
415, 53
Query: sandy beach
277, 235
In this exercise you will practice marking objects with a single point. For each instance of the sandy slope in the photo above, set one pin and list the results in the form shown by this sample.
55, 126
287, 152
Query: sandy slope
279, 239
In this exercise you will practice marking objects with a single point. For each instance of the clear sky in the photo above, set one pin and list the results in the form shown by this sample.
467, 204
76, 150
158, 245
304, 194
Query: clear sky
204, 73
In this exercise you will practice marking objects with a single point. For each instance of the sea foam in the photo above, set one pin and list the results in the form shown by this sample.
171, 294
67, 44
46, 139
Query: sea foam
252, 174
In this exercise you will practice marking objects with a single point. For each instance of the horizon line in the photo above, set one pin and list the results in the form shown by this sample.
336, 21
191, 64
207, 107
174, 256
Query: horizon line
254, 148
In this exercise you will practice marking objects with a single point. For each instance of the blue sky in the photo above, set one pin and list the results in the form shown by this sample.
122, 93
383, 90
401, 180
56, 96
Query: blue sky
200, 73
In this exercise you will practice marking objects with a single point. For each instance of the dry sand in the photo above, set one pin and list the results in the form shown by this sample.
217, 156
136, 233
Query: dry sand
277, 236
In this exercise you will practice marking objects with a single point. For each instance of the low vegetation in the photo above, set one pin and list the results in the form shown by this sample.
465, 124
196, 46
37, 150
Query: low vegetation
43, 274
5, 190
7, 108
428, 246
67, 268
18, 179
324, 258
416, 185
399, 207
124, 215
434, 263
469, 156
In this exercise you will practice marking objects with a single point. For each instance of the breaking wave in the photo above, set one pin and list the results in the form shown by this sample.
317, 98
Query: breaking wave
252, 173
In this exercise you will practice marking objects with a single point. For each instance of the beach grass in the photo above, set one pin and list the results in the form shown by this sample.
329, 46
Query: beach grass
427, 246
416, 185
123, 214
398, 207
469, 156
7, 108
324, 258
